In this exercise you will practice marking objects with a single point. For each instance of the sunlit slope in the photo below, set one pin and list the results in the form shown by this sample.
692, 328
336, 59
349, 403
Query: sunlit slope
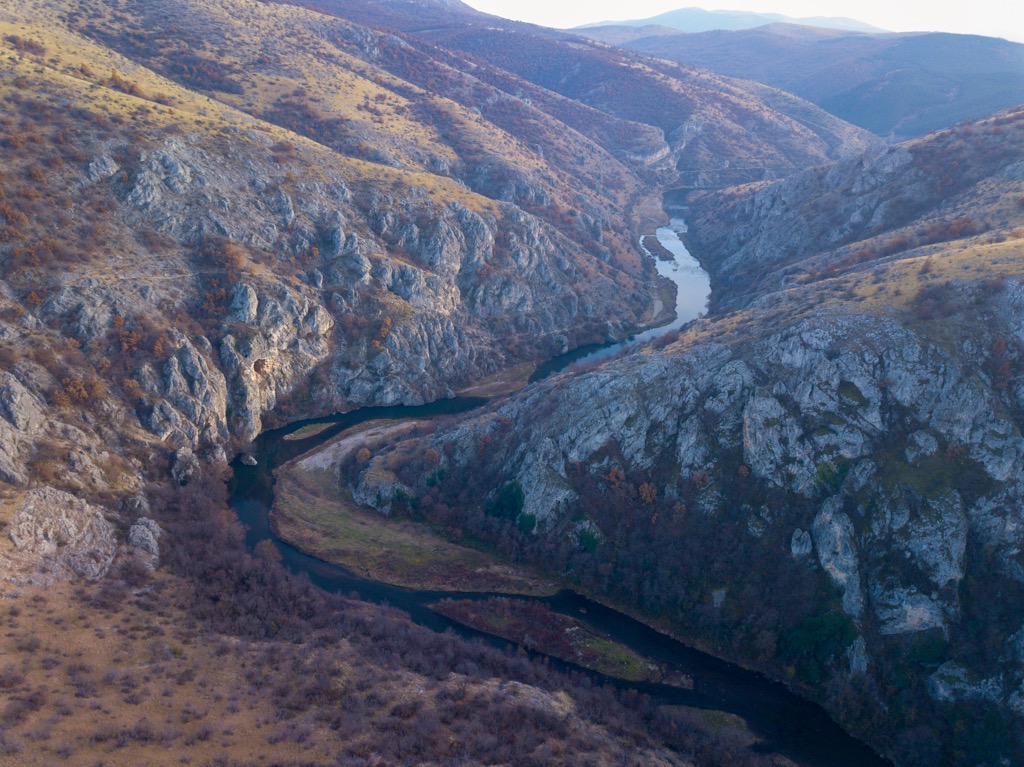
718, 130
369, 95
946, 199
301, 229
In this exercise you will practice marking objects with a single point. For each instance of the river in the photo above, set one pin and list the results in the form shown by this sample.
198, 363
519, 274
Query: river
693, 288
785, 723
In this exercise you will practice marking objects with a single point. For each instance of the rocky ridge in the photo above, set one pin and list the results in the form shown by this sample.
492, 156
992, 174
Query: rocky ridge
887, 204
871, 457
825, 482
261, 243
251, 268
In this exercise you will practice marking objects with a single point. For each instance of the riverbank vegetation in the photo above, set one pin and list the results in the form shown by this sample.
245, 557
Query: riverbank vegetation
227, 658
314, 514
536, 626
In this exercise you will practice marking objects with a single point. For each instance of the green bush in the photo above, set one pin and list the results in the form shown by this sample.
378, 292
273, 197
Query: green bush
814, 643
527, 523
507, 502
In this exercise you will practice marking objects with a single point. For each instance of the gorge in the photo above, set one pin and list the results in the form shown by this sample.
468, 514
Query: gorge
782, 722
223, 223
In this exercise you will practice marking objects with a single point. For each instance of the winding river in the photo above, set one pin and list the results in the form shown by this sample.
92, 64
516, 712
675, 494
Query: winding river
693, 287
785, 723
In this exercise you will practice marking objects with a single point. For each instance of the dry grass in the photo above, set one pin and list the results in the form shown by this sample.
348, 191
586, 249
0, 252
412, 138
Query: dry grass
77, 67
132, 683
312, 512
115, 676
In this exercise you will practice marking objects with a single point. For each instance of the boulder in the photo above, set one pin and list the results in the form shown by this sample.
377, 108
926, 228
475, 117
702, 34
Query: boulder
57, 526
143, 539
184, 465
100, 168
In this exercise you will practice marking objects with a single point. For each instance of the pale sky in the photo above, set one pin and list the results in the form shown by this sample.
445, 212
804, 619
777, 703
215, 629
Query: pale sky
995, 18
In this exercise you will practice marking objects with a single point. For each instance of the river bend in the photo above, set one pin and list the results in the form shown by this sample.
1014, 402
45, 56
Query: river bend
786, 724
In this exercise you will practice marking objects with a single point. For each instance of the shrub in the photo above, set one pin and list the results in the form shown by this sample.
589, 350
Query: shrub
507, 502
816, 642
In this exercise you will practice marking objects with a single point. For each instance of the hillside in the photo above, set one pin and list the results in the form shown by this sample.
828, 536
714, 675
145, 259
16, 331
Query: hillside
219, 217
693, 20
713, 130
377, 226
255, 207
822, 478
898, 86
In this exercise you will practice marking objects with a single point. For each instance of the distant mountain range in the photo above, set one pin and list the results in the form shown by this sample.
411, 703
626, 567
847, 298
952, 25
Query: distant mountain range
701, 20
898, 86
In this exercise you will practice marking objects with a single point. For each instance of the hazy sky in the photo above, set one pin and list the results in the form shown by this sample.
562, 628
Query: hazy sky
997, 18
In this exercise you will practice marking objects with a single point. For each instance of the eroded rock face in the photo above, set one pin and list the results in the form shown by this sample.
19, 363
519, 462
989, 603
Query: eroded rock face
23, 418
285, 338
769, 229
143, 539
891, 452
429, 295
190, 392
184, 466
72, 534
19, 406
835, 542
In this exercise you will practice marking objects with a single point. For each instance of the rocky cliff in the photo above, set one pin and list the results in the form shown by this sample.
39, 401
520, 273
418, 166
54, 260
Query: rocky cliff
875, 466
892, 202
257, 208
178, 267
825, 482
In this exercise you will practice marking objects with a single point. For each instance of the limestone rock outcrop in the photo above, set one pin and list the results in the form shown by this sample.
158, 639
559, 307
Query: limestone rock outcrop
144, 540
886, 455
23, 417
64, 532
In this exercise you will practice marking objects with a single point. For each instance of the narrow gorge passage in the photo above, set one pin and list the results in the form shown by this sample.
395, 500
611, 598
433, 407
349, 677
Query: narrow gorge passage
785, 723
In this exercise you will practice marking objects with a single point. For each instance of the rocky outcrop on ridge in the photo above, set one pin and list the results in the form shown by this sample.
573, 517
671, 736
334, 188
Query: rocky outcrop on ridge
22, 415
471, 292
66, 536
874, 460
861, 211
143, 540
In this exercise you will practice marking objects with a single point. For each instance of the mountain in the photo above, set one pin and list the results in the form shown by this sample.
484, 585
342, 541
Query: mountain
715, 130
221, 217
897, 86
618, 34
290, 192
821, 478
701, 20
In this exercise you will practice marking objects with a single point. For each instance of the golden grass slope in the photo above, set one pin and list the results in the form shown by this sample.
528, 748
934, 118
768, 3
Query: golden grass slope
332, 81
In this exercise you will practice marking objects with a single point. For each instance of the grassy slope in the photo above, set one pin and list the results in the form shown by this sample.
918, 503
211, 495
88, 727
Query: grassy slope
352, 90
312, 512
87, 681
